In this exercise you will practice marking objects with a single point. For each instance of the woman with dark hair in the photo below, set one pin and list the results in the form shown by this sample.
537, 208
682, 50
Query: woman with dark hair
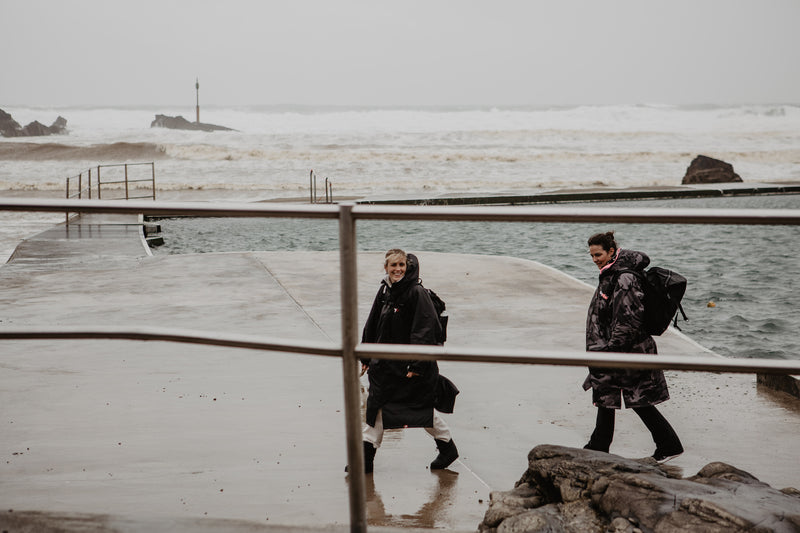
401, 393
615, 324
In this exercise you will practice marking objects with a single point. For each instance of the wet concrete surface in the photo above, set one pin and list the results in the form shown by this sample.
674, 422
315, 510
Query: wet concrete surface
166, 436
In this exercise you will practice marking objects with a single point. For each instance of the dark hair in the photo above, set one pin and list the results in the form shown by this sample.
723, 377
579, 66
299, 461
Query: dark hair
606, 240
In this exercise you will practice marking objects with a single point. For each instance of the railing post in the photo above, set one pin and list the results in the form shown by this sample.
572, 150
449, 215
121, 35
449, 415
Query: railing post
99, 194
89, 188
127, 196
153, 172
311, 186
66, 221
351, 369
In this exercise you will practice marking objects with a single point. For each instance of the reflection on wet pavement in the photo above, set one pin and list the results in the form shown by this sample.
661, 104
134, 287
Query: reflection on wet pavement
432, 514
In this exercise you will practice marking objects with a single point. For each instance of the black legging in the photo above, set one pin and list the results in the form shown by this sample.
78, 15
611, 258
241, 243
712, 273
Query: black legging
664, 436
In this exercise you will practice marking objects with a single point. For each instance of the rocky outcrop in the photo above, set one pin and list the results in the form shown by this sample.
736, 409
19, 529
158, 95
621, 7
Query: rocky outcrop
704, 169
8, 126
11, 128
180, 123
583, 491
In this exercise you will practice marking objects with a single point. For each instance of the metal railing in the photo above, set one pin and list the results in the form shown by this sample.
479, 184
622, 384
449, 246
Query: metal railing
312, 187
81, 189
126, 181
351, 352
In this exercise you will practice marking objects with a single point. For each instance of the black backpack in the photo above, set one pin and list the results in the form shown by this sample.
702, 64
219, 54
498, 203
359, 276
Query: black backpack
441, 311
663, 291
438, 305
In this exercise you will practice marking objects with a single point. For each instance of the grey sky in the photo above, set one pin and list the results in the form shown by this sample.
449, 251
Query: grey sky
415, 52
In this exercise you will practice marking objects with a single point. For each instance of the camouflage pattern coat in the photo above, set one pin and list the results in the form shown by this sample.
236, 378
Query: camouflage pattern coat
614, 324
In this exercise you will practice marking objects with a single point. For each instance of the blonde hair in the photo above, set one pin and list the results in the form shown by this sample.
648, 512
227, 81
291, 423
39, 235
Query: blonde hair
394, 252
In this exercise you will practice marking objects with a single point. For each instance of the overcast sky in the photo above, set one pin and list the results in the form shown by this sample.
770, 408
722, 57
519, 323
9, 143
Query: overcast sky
410, 52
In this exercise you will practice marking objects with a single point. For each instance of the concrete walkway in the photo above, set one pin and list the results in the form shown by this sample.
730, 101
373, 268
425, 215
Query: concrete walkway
165, 436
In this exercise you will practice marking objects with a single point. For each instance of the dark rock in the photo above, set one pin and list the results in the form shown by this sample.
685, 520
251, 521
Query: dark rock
571, 517
507, 504
60, 123
704, 169
11, 128
8, 126
34, 129
180, 123
570, 489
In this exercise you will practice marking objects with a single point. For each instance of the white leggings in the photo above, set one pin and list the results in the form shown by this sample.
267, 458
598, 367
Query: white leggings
439, 431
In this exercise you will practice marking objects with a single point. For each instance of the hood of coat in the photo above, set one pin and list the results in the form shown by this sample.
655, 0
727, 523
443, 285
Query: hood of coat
411, 277
626, 260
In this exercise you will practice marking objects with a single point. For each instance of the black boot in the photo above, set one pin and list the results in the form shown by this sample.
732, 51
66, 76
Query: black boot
603, 433
447, 454
369, 457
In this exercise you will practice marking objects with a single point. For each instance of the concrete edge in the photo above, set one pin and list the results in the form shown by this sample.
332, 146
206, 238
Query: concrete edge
711, 190
142, 236
781, 383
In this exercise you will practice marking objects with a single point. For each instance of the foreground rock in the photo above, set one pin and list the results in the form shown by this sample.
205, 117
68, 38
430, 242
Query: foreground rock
180, 123
575, 490
11, 128
704, 169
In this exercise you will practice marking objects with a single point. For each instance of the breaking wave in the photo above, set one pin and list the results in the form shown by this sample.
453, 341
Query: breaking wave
408, 151
118, 151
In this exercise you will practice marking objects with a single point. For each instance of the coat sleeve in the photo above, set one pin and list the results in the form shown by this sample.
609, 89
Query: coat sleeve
627, 314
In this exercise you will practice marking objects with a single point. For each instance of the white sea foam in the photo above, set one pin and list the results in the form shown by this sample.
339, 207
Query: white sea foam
360, 149
429, 151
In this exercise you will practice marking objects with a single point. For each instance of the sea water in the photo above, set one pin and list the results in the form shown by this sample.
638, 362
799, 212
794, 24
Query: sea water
743, 280
749, 273
400, 151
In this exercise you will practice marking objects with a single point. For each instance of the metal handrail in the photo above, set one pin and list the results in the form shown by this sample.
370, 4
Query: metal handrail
328, 191
79, 194
479, 354
312, 187
582, 359
79, 177
232, 209
349, 350
99, 183
772, 217
127, 181
185, 336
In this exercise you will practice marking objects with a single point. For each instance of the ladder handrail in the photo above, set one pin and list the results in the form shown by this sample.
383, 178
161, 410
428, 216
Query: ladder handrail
99, 183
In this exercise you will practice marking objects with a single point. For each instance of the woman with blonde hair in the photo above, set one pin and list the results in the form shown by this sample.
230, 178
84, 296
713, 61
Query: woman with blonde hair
401, 393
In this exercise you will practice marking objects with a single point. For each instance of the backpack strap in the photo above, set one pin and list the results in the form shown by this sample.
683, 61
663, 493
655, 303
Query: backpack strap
675, 319
615, 277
